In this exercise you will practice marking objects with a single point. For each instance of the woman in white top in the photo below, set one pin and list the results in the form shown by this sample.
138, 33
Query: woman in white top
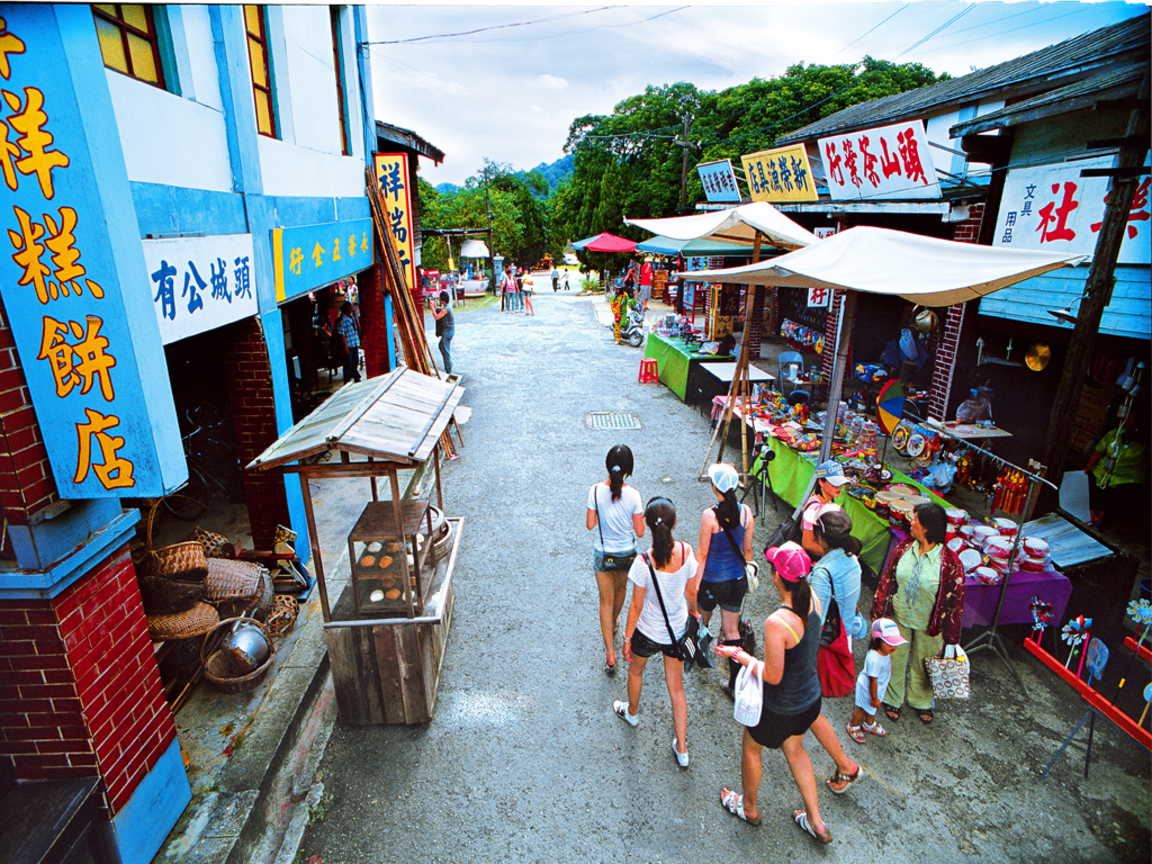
615, 511
647, 630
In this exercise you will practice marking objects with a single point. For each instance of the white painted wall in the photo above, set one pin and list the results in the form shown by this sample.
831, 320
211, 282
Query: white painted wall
168, 139
288, 169
311, 78
202, 56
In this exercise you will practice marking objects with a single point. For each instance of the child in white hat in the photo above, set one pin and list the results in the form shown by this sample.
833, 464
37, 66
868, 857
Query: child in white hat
872, 682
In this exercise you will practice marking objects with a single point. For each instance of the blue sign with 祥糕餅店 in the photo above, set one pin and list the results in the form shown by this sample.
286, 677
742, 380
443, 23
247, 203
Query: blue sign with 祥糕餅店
307, 257
95, 380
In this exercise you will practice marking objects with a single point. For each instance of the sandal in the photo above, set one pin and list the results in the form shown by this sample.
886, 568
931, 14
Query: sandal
855, 734
609, 669
845, 780
734, 804
926, 716
800, 817
875, 729
891, 710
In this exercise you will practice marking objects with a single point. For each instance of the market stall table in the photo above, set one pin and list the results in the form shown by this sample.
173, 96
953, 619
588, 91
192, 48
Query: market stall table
679, 365
718, 376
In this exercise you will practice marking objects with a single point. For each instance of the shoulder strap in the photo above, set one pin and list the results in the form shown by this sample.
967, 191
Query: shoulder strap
596, 503
786, 624
659, 597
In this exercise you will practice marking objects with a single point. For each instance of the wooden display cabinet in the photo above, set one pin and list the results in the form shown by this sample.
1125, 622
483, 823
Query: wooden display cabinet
389, 561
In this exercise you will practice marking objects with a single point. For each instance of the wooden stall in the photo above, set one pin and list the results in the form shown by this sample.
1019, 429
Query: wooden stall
388, 625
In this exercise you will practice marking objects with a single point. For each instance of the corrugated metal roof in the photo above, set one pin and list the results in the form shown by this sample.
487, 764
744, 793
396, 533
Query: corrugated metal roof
1074, 97
1041, 70
407, 138
397, 417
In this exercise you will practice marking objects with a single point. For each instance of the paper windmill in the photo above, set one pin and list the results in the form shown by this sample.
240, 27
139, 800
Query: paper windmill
1140, 611
1041, 612
1074, 633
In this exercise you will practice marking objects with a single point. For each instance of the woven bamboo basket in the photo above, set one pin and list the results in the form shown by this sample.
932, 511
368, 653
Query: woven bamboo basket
184, 561
197, 621
215, 545
236, 586
219, 668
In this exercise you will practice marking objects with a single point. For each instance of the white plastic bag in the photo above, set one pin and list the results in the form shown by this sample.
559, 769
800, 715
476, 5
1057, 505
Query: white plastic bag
949, 674
749, 694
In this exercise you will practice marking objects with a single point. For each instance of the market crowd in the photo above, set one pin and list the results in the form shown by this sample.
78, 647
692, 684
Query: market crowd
804, 654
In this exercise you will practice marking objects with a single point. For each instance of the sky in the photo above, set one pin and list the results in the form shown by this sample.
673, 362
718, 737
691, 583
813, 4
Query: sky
506, 82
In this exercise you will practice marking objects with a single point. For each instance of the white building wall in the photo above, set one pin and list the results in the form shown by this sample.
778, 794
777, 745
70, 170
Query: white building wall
310, 78
298, 171
202, 56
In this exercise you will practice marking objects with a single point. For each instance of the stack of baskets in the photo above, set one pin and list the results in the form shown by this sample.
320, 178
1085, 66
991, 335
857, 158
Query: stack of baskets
172, 586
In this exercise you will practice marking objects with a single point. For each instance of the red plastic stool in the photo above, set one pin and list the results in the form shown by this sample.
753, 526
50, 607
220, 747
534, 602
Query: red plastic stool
649, 371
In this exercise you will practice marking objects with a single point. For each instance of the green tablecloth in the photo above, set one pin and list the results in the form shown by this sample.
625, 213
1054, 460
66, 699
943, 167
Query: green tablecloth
674, 360
790, 473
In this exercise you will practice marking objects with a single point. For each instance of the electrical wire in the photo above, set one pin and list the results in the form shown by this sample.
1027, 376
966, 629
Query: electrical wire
939, 29
877, 27
486, 29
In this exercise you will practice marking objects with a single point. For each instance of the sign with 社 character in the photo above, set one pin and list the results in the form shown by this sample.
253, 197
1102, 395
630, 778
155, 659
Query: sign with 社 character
885, 162
72, 274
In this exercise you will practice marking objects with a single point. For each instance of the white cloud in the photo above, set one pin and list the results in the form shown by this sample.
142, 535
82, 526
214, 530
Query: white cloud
551, 82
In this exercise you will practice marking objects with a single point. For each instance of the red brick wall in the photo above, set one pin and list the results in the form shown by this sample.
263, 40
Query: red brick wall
26, 482
254, 420
373, 326
952, 321
831, 323
80, 693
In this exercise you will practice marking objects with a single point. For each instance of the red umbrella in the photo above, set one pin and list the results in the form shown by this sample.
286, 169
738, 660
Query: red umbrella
605, 242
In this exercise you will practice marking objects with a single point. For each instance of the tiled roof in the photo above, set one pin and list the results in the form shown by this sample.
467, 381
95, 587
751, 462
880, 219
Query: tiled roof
1040, 70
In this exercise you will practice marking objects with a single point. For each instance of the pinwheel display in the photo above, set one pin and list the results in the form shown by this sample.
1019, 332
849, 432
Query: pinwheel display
1074, 634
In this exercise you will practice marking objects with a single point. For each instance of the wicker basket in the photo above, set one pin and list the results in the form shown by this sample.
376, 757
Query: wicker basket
219, 669
238, 586
164, 596
215, 545
282, 616
197, 621
184, 561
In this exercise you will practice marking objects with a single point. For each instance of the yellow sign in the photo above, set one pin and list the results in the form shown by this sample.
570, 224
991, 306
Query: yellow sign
396, 190
780, 175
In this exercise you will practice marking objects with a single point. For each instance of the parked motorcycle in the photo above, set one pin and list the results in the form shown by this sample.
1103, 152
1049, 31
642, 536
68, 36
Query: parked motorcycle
634, 331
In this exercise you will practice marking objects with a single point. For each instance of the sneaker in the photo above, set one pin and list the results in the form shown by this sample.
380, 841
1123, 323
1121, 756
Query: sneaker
681, 758
621, 710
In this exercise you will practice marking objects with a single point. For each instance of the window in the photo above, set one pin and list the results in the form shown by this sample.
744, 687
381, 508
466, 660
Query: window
261, 73
128, 41
338, 68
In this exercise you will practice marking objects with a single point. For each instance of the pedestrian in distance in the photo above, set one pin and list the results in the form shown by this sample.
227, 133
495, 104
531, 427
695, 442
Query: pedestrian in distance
872, 682
725, 545
791, 692
529, 290
445, 328
662, 585
616, 512
555, 280
508, 283
567, 287
350, 334
645, 293
518, 296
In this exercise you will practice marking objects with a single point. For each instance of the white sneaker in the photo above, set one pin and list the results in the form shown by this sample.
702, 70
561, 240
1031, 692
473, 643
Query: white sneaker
681, 758
621, 709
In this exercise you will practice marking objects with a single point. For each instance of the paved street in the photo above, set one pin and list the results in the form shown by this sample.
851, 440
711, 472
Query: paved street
525, 761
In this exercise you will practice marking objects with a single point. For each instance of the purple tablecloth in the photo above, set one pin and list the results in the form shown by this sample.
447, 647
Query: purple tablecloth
980, 599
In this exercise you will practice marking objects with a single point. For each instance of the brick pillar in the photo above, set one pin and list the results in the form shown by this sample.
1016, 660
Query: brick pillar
373, 322
756, 323
254, 419
831, 323
944, 368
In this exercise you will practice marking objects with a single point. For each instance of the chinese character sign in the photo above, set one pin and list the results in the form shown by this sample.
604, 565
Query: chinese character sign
819, 297
780, 175
200, 283
397, 190
885, 162
308, 257
719, 182
107, 427
1053, 208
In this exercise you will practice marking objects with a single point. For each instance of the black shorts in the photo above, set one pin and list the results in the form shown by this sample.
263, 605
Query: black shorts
774, 729
642, 646
727, 595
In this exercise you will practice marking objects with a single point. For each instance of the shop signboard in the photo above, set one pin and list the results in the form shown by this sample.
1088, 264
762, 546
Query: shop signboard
719, 182
200, 283
688, 289
884, 162
1053, 209
780, 175
396, 190
89, 348
307, 257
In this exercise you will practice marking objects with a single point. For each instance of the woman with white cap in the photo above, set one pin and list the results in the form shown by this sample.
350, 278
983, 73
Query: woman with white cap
829, 480
725, 544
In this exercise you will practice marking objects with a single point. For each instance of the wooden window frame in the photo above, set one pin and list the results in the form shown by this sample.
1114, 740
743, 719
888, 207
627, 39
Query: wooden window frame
153, 39
338, 68
261, 39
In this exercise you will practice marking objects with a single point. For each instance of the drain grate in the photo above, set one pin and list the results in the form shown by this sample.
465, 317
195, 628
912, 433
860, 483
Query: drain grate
610, 420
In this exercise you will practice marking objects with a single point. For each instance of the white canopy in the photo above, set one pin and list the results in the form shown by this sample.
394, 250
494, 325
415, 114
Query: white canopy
474, 249
924, 270
736, 224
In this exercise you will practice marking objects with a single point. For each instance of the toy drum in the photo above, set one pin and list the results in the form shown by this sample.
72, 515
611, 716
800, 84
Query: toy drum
998, 548
1034, 547
956, 517
970, 559
903, 490
899, 512
1006, 527
1034, 565
967, 532
981, 534
882, 501
987, 576
956, 544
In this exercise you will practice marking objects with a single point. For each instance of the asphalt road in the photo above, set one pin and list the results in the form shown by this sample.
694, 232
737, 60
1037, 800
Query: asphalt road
524, 760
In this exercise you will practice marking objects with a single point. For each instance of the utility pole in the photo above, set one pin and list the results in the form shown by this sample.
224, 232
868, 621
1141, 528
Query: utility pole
684, 164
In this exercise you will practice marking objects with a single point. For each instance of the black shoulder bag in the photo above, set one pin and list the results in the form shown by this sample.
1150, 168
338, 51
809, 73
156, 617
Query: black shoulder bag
617, 562
685, 647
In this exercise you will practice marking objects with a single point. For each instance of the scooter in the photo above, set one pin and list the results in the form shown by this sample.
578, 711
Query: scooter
634, 331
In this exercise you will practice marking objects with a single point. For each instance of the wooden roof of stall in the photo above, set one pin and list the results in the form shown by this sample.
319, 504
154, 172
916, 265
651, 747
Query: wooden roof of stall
397, 417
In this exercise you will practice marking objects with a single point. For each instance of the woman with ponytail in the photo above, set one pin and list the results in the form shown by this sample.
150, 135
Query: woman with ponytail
662, 578
725, 544
791, 692
615, 511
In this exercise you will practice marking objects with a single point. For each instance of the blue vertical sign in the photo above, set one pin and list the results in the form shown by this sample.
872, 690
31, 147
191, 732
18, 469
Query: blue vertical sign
59, 273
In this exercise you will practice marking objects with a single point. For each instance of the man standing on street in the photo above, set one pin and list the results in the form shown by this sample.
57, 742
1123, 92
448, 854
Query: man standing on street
645, 283
346, 327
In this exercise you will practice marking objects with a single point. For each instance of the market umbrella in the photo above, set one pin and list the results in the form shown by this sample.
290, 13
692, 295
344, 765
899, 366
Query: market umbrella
924, 270
890, 406
733, 225
605, 242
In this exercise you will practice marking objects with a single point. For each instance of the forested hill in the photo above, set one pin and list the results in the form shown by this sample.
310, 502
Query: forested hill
553, 173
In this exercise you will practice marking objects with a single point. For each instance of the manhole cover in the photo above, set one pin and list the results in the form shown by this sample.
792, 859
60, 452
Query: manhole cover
610, 420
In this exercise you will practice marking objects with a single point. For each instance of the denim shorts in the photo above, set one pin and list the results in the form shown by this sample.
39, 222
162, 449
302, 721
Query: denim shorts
728, 595
642, 646
613, 562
